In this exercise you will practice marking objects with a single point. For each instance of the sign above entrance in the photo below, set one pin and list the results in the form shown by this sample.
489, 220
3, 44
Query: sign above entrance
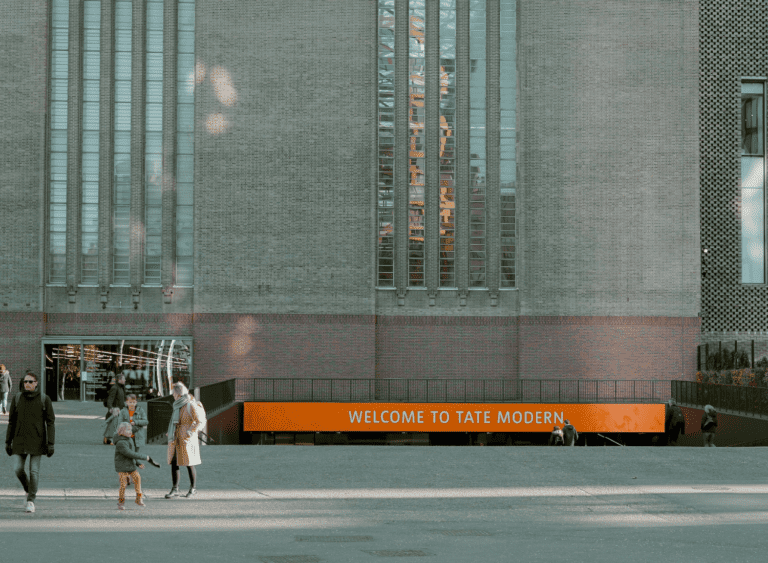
450, 417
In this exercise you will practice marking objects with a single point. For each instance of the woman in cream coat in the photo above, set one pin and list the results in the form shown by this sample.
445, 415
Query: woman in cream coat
183, 446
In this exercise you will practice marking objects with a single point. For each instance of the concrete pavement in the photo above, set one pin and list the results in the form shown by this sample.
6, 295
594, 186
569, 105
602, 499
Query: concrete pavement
360, 503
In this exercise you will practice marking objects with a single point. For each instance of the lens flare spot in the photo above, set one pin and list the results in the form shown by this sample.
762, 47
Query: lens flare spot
222, 85
216, 123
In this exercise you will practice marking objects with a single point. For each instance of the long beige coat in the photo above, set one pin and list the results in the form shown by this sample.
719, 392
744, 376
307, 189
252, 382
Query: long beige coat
186, 448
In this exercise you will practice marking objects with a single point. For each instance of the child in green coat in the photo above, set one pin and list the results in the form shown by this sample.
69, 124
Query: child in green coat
126, 462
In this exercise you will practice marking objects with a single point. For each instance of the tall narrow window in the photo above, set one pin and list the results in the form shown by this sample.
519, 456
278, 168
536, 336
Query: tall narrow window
477, 162
185, 130
507, 134
153, 163
416, 163
89, 213
447, 142
386, 147
121, 198
752, 183
57, 223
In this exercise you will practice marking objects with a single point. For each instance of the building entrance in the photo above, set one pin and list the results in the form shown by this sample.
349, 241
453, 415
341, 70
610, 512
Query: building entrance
84, 369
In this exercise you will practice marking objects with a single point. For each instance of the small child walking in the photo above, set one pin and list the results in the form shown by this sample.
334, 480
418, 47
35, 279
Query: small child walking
126, 462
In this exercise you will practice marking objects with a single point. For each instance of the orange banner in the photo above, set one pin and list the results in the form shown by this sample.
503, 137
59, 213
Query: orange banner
450, 417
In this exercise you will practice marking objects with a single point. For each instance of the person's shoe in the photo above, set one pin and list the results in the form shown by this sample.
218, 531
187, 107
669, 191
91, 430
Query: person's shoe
30, 506
139, 500
192, 492
120, 505
174, 493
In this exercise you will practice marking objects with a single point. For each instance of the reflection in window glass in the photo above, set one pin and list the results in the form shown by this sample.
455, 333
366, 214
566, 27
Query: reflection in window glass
752, 184
416, 138
507, 162
185, 134
85, 372
386, 108
57, 218
121, 197
89, 211
752, 118
752, 220
477, 154
447, 142
153, 154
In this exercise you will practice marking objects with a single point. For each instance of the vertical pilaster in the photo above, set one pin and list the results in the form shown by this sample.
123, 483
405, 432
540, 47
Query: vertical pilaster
170, 63
401, 150
462, 147
432, 145
492, 128
74, 145
106, 144
138, 126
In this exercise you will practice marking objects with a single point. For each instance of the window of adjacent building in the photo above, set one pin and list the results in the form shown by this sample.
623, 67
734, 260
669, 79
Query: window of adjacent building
752, 182
89, 211
57, 218
416, 161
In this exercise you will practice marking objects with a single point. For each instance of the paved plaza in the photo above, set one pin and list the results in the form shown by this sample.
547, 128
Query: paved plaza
361, 503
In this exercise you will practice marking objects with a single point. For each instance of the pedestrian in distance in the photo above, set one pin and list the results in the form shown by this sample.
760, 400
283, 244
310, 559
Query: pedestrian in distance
115, 402
556, 438
30, 433
569, 433
709, 426
133, 414
183, 447
127, 459
5, 387
674, 424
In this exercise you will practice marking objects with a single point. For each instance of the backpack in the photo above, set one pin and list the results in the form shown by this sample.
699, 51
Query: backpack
558, 441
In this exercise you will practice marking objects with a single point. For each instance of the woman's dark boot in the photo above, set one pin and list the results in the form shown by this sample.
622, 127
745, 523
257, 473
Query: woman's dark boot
174, 493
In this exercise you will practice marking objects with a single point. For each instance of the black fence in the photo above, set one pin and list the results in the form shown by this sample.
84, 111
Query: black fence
159, 413
746, 400
218, 395
452, 390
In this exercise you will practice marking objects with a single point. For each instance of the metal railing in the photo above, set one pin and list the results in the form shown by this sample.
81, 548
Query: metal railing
453, 390
746, 400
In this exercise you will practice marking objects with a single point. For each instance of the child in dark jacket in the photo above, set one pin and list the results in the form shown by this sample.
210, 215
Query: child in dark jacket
126, 462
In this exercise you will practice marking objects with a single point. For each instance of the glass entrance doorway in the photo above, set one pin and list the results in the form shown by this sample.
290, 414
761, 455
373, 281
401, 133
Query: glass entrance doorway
84, 369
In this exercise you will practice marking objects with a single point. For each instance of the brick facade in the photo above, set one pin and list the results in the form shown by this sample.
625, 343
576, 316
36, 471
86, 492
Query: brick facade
285, 205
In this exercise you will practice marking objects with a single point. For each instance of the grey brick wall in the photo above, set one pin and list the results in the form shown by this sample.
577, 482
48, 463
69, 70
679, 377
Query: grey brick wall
284, 194
24, 68
608, 144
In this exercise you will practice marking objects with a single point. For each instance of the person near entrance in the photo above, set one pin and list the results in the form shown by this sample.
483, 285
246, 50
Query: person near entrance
115, 402
5, 388
183, 446
30, 433
570, 434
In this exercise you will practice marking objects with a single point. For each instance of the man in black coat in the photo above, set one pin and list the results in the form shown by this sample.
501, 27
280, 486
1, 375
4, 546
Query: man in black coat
116, 398
31, 432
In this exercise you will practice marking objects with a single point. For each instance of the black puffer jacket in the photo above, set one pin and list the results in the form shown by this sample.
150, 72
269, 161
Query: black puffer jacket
26, 424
